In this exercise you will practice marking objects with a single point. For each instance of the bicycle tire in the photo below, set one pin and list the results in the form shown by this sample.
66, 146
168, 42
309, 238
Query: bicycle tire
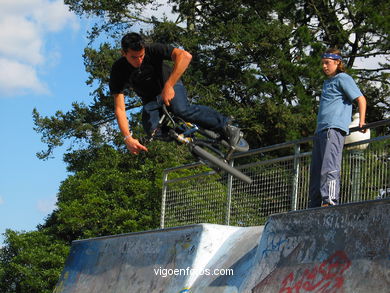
201, 153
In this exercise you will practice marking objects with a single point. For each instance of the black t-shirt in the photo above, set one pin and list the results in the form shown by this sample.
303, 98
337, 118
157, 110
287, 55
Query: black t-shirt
148, 80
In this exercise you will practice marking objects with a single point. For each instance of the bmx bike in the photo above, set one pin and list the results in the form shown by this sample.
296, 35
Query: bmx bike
205, 145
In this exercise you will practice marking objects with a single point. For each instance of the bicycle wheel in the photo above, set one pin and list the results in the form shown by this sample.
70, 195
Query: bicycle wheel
201, 153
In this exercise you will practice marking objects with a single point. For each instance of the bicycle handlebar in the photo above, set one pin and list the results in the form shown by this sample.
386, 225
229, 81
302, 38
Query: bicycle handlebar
165, 110
167, 114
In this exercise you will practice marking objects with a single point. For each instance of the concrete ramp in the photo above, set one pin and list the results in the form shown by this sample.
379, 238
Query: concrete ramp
168, 260
334, 249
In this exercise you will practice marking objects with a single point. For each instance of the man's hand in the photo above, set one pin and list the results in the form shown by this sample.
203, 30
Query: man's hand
134, 146
167, 94
361, 124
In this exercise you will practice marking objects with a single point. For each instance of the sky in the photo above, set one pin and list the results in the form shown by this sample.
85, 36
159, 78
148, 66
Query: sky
41, 66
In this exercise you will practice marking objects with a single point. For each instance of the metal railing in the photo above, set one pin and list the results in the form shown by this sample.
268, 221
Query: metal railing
194, 194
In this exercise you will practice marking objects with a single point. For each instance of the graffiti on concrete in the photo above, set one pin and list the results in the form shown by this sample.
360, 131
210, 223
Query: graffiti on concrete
326, 277
278, 243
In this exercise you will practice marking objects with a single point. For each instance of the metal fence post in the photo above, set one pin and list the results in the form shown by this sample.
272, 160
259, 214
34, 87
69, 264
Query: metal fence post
294, 197
164, 196
229, 195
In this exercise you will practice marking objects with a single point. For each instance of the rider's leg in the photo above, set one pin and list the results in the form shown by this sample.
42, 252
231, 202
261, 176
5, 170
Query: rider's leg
201, 115
151, 116
204, 116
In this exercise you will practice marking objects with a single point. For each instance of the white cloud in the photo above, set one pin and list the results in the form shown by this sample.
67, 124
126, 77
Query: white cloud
46, 205
19, 40
24, 28
1, 200
17, 78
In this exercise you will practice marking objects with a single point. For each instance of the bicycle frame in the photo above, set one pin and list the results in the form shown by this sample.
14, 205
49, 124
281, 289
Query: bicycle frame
184, 132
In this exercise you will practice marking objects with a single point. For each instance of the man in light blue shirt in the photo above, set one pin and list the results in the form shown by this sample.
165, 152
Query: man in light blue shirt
334, 117
338, 93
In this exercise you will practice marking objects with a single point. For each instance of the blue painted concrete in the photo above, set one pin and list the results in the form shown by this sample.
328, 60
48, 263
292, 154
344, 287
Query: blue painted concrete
335, 249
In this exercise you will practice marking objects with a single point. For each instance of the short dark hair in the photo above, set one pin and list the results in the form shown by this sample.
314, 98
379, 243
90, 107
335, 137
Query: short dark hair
132, 41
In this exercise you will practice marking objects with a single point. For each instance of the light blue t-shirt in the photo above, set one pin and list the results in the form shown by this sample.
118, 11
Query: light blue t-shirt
335, 110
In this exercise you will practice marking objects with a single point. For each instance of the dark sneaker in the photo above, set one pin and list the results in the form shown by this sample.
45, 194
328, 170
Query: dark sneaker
232, 133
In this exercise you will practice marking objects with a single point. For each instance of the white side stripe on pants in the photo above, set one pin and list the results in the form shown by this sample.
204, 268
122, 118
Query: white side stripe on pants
332, 191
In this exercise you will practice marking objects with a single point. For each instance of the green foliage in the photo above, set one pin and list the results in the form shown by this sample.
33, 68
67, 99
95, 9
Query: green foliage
249, 59
112, 192
31, 262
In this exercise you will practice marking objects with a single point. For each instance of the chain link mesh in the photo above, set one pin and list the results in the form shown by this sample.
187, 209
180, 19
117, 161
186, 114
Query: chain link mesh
201, 196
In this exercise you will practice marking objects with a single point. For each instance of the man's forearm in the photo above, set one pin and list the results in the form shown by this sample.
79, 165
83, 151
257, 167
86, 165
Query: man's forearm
362, 104
120, 113
123, 123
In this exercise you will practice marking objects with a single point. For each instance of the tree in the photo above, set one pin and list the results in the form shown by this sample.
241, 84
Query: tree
111, 192
258, 61
31, 262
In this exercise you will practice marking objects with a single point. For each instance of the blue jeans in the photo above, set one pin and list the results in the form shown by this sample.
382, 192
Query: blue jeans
202, 116
325, 168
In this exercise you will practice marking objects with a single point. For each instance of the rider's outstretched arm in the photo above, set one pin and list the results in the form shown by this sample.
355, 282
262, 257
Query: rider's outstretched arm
132, 144
181, 59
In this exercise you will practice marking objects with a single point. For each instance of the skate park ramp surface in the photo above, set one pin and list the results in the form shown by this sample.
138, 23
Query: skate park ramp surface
146, 261
334, 249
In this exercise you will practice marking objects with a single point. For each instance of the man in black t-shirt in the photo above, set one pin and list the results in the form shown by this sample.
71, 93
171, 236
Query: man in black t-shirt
142, 68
